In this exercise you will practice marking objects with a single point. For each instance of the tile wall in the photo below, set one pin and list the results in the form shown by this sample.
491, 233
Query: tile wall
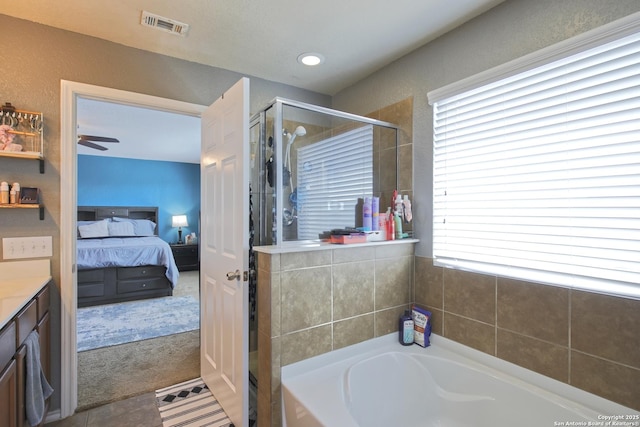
588, 340
312, 302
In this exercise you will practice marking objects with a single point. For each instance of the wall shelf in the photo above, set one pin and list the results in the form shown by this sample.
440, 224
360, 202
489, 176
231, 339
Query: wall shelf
27, 127
40, 207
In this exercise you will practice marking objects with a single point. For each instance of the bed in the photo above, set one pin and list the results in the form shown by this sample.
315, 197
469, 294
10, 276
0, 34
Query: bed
120, 256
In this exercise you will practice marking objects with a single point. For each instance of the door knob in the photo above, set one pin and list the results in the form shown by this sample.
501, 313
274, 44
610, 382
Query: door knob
234, 275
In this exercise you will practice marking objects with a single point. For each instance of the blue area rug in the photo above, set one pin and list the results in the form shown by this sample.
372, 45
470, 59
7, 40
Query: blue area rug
112, 324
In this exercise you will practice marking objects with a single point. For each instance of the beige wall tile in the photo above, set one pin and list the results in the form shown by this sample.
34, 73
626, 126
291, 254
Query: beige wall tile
264, 261
263, 294
353, 286
306, 298
470, 332
606, 326
540, 356
386, 321
437, 320
276, 305
276, 363
470, 295
352, 331
264, 410
428, 282
295, 260
264, 362
393, 282
268, 262
351, 254
607, 379
394, 250
305, 344
535, 310
405, 168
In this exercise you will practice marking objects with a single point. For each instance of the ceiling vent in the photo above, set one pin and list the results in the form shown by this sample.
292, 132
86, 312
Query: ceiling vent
164, 24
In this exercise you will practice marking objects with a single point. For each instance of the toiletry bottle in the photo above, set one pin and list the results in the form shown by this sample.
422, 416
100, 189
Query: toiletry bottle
405, 328
375, 212
366, 214
397, 225
14, 194
391, 229
4, 193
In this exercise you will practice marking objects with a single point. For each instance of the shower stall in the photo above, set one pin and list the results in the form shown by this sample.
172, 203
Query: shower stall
311, 168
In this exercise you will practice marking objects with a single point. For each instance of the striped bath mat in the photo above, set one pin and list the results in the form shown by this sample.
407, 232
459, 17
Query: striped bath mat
190, 404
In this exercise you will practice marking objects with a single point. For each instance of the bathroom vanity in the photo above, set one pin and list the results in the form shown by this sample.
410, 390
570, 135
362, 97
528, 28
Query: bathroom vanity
24, 307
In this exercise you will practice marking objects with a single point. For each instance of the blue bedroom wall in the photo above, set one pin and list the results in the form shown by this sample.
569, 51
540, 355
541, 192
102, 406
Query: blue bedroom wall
171, 186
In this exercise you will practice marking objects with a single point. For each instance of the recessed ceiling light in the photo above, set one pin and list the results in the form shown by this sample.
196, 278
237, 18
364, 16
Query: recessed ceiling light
311, 59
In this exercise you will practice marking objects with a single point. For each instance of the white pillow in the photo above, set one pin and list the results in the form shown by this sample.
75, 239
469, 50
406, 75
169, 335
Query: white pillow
121, 229
97, 229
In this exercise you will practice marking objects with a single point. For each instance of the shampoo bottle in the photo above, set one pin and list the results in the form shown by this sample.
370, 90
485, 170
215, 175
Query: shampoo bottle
397, 225
405, 328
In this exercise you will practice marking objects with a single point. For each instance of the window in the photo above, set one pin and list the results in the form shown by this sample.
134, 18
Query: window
333, 173
537, 168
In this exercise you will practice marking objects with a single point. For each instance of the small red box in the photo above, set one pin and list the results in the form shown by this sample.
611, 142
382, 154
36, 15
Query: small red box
350, 238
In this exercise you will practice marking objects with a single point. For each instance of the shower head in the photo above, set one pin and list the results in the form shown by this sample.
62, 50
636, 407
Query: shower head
300, 131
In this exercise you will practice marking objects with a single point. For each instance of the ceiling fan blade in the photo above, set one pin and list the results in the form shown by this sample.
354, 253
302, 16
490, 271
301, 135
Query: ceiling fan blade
92, 145
97, 138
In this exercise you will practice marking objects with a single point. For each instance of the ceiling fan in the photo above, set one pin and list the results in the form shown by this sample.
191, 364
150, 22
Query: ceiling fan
86, 140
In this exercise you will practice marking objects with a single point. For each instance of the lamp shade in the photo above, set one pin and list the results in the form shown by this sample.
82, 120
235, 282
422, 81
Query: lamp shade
179, 221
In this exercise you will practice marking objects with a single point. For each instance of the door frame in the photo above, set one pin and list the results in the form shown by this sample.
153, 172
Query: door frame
69, 93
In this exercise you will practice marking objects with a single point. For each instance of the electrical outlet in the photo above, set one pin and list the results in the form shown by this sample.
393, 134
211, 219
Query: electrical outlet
27, 247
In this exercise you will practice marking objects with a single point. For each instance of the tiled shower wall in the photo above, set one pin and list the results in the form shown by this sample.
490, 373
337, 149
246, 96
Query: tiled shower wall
588, 340
312, 302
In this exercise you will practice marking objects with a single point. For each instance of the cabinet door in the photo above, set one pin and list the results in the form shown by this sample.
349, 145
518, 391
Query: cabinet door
21, 370
8, 393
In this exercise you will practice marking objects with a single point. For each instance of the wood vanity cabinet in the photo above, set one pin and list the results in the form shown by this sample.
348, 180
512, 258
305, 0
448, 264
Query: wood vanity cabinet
33, 316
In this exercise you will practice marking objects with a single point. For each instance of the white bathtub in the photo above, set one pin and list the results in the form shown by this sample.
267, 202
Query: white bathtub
381, 383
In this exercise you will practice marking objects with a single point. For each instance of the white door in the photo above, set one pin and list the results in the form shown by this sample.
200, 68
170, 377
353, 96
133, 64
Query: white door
224, 355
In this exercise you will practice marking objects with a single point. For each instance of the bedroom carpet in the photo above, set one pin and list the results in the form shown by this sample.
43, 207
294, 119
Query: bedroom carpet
115, 373
113, 324
110, 374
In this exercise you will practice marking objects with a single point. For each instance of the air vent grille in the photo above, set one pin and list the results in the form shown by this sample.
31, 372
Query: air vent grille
164, 24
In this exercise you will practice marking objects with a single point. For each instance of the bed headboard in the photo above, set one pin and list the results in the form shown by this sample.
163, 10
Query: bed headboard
96, 213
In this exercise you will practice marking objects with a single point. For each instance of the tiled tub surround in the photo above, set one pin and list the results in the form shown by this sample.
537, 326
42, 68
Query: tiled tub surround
588, 340
315, 300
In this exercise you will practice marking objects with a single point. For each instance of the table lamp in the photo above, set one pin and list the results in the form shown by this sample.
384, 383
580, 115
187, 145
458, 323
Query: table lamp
179, 221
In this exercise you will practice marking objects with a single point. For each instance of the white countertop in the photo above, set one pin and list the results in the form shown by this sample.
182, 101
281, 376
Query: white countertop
20, 281
318, 246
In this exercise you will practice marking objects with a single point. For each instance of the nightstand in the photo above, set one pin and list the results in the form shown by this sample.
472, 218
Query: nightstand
186, 256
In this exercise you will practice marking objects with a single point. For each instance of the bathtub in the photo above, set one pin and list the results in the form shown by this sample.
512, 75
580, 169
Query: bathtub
381, 383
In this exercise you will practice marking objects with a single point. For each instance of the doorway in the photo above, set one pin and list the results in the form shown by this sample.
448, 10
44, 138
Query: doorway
70, 92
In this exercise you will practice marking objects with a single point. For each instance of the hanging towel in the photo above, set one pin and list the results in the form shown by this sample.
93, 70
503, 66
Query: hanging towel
37, 389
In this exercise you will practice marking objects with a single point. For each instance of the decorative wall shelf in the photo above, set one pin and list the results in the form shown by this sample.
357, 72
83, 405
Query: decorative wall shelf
27, 126
40, 207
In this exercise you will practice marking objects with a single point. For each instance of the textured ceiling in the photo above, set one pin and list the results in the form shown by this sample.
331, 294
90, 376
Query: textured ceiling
264, 38
255, 38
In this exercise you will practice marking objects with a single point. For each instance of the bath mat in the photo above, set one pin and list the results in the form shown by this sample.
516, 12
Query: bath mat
112, 324
190, 404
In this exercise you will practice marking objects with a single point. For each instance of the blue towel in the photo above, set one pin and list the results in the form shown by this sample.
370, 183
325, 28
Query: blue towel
37, 389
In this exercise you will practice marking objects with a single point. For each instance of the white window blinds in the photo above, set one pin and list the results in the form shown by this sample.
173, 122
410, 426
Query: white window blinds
333, 174
537, 176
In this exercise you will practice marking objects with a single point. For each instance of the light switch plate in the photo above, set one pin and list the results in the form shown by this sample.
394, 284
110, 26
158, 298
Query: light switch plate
27, 247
